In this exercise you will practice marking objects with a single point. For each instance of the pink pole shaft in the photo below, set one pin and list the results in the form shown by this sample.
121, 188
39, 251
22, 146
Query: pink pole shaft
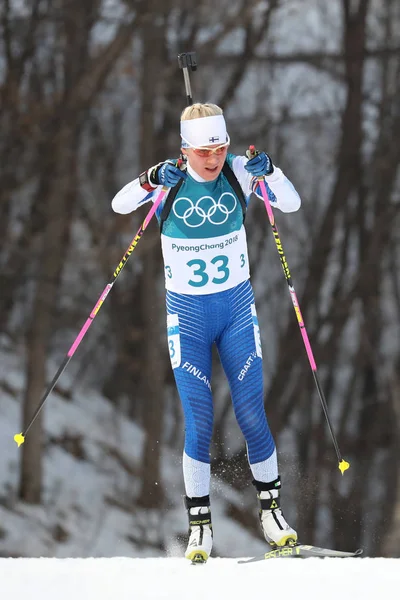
343, 465
108, 287
292, 291
266, 201
89, 320
302, 328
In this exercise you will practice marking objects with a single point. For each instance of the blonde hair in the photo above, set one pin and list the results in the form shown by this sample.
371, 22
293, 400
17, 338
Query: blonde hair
198, 110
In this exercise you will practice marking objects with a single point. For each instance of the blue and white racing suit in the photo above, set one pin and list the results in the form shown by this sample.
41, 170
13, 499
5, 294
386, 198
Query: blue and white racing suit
210, 301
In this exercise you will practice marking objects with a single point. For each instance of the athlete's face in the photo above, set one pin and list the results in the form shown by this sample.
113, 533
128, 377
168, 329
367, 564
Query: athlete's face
207, 161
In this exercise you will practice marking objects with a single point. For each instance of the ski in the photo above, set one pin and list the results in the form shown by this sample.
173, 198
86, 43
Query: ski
302, 551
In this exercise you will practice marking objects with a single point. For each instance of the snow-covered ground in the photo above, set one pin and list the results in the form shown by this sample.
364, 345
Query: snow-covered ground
176, 579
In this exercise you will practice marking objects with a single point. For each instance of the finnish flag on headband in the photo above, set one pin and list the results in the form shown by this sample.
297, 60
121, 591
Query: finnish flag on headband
204, 131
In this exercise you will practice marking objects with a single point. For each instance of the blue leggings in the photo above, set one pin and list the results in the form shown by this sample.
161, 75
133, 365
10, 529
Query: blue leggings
229, 320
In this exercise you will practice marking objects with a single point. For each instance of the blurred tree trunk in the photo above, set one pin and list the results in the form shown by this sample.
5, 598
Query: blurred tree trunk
62, 170
151, 308
18, 137
57, 166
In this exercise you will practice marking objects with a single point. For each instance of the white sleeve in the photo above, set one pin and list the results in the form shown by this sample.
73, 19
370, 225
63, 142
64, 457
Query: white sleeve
132, 196
287, 199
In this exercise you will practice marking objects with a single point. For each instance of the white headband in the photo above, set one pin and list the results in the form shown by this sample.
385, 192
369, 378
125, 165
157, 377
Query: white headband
204, 131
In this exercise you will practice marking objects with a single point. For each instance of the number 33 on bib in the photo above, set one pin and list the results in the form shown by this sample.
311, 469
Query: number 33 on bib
205, 266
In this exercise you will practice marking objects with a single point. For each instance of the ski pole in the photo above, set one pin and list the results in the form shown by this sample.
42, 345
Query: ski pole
19, 438
343, 464
186, 61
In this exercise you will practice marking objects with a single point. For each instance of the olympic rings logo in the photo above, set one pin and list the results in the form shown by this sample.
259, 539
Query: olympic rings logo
195, 214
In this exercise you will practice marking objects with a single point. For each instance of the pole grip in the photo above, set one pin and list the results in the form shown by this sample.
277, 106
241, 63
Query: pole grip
187, 60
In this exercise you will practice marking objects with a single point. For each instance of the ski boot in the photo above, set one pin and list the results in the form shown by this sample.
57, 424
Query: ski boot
275, 528
200, 529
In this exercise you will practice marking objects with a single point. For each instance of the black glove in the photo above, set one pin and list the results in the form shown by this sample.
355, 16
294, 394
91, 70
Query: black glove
166, 173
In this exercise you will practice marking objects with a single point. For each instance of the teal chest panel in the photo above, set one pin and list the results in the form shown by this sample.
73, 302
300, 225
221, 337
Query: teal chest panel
204, 210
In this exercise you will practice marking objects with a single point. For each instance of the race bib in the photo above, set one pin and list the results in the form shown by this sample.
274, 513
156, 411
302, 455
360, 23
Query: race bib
205, 266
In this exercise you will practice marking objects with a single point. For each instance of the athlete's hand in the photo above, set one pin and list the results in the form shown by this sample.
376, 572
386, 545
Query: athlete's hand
259, 165
166, 173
